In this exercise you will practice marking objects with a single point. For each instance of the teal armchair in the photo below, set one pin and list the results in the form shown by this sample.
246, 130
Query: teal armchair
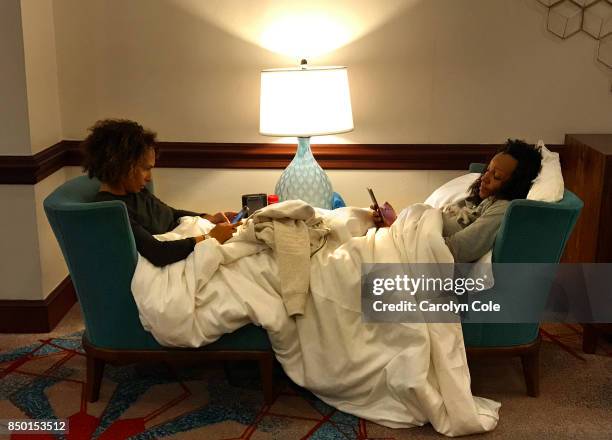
98, 246
531, 232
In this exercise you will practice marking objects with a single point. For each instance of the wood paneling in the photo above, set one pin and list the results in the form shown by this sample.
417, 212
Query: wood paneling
329, 156
27, 170
31, 169
39, 316
588, 174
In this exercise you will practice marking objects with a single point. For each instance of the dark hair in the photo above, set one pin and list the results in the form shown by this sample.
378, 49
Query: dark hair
114, 147
527, 169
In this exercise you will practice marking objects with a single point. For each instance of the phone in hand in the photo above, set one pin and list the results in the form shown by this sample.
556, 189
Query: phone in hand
386, 212
375, 202
242, 214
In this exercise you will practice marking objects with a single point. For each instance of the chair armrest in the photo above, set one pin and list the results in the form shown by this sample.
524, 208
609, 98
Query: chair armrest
476, 167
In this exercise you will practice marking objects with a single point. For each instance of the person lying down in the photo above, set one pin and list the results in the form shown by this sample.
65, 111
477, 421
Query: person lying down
470, 226
394, 374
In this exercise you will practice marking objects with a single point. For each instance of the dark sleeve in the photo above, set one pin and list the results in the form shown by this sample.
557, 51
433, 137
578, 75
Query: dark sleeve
176, 213
160, 253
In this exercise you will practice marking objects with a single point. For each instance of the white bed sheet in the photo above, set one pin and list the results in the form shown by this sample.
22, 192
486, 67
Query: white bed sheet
397, 375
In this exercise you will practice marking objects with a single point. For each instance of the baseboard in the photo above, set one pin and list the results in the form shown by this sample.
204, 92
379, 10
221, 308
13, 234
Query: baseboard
37, 316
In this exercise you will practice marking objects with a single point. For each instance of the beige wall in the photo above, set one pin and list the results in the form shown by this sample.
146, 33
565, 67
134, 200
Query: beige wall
52, 265
215, 190
32, 264
14, 129
433, 71
20, 265
41, 73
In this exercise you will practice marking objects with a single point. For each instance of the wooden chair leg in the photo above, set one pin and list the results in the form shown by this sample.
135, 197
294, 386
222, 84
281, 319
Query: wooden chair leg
531, 370
266, 369
589, 338
227, 369
95, 370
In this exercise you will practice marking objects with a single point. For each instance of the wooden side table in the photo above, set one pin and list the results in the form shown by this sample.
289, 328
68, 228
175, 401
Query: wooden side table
587, 171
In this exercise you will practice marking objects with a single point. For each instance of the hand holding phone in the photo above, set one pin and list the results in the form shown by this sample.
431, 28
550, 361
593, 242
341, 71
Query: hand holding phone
243, 212
222, 232
386, 212
375, 204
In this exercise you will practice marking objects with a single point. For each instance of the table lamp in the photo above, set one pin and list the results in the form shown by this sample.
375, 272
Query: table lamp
304, 102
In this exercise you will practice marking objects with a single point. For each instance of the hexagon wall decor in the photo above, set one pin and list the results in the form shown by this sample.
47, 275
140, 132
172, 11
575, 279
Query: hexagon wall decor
604, 51
548, 3
597, 20
566, 18
585, 3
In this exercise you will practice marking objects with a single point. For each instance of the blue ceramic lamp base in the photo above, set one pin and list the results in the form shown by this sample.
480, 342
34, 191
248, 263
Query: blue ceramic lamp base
304, 179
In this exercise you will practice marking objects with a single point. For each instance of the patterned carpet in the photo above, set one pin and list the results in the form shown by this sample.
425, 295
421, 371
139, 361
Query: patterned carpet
46, 380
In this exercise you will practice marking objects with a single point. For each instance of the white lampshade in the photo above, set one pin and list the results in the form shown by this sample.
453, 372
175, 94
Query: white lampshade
305, 102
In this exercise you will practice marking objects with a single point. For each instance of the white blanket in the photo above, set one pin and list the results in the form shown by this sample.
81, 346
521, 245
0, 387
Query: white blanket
397, 375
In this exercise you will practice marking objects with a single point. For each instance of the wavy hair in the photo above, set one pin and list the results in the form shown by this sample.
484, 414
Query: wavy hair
114, 147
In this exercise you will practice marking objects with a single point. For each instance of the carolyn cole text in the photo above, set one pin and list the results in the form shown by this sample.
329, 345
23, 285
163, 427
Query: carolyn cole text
426, 306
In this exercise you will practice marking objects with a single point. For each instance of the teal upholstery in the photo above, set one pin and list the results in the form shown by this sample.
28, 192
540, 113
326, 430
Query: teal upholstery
531, 232
98, 246
477, 167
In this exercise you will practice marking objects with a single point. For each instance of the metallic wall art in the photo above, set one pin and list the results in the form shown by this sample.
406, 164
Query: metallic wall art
604, 51
597, 21
585, 3
593, 17
549, 3
564, 19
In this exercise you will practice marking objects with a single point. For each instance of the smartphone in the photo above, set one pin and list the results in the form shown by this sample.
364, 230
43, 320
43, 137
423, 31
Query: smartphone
243, 212
386, 212
375, 202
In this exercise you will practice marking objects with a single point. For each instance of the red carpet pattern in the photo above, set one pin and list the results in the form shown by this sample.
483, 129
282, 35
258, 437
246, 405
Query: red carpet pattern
46, 380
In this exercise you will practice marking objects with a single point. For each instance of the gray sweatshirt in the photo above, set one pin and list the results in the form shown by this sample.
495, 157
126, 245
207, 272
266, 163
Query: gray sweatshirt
470, 230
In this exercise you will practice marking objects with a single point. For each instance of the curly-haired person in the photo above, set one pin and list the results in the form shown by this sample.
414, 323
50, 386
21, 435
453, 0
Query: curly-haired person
121, 154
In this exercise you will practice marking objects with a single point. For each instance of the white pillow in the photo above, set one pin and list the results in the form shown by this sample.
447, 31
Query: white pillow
548, 186
453, 191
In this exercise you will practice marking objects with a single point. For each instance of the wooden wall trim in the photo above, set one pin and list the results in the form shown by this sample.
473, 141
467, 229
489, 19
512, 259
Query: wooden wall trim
28, 170
16, 170
334, 156
37, 316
